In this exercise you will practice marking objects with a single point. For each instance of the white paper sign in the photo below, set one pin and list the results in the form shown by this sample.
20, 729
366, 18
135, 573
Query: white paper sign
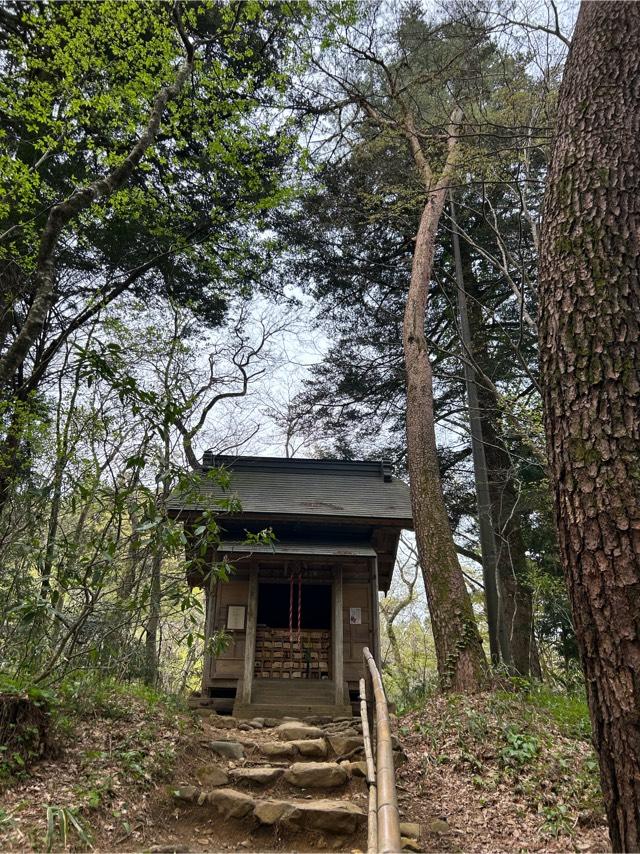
355, 616
235, 617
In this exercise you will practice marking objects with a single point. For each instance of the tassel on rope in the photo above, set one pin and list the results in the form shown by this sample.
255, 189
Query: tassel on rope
291, 608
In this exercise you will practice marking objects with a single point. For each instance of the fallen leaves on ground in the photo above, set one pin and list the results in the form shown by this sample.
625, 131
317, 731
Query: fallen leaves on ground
498, 772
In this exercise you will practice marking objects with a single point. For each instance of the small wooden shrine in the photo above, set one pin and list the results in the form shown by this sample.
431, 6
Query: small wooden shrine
299, 610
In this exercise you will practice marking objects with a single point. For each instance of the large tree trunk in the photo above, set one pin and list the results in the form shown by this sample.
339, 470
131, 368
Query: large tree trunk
461, 659
516, 601
590, 358
498, 641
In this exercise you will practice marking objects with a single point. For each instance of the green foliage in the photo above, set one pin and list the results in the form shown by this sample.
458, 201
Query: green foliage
62, 823
91, 695
520, 749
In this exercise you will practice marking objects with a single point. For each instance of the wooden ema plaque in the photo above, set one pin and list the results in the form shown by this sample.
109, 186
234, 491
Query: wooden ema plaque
278, 656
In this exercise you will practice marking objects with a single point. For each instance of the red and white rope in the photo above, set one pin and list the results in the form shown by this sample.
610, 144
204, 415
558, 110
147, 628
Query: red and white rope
291, 609
299, 605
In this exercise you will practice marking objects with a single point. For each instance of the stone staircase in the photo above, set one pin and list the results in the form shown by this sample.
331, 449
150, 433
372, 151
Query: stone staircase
293, 785
299, 698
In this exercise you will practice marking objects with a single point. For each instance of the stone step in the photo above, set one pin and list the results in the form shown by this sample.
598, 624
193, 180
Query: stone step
294, 731
261, 775
282, 708
335, 817
316, 775
314, 748
330, 816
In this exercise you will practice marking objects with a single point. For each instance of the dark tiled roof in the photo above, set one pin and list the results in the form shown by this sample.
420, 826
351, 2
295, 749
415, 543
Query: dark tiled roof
312, 488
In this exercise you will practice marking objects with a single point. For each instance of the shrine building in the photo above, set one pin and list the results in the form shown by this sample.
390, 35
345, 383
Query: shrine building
298, 610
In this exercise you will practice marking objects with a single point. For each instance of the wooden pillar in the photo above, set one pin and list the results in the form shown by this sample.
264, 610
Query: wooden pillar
375, 612
250, 636
338, 639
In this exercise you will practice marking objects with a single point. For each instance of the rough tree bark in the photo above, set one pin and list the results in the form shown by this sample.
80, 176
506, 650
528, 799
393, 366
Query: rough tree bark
590, 360
461, 659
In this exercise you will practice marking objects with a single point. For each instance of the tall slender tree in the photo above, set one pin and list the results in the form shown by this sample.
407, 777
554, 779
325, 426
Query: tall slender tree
590, 359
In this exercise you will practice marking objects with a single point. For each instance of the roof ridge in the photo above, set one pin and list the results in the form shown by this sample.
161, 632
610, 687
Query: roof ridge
376, 468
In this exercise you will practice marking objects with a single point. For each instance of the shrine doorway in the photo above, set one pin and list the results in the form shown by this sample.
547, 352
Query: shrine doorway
293, 632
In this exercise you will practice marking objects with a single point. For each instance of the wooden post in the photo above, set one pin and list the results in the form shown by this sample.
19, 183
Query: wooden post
250, 636
338, 645
375, 612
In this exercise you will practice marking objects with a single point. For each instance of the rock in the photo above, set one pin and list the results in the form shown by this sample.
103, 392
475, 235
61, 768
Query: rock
270, 812
169, 849
337, 817
210, 776
410, 829
296, 731
186, 793
228, 749
256, 723
399, 758
271, 722
408, 844
437, 825
245, 727
341, 744
277, 748
335, 729
313, 747
231, 803
222, 722
260, 776
317, 775
318, 720
354, 769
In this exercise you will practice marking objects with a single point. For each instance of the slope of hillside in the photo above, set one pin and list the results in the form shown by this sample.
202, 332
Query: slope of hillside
500, 771
503, 771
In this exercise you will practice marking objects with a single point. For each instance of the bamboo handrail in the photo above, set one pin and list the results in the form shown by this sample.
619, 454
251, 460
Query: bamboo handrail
387, 817
372, 825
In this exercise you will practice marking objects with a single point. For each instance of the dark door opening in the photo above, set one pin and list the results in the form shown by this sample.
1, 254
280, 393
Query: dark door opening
274, 602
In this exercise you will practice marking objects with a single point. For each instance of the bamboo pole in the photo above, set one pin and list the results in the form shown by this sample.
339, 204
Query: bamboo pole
372, 823
387, 800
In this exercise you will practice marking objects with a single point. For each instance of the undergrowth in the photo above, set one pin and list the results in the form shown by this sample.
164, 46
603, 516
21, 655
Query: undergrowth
113, 742
532, 742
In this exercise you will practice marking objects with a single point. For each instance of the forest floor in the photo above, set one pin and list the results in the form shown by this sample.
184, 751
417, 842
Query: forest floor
496, 772
503, 772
